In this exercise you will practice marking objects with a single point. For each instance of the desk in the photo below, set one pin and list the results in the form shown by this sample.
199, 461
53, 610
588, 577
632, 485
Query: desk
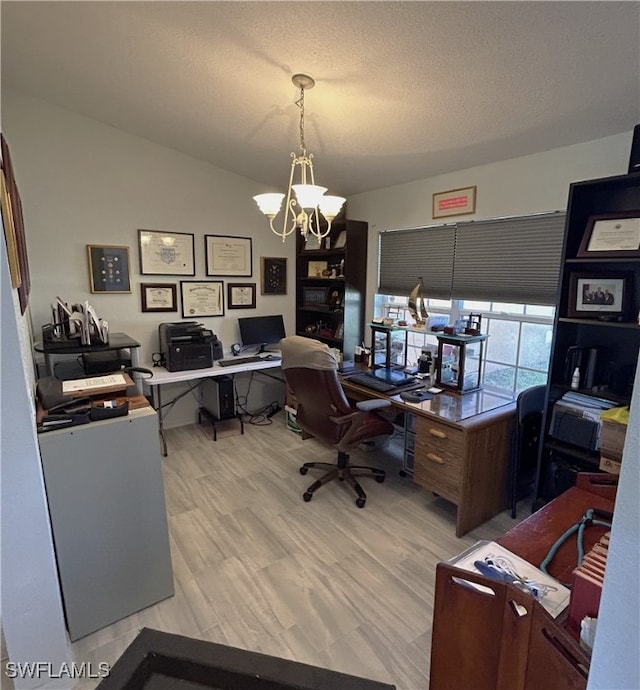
478, 643
117, 341
462, 446
163, 377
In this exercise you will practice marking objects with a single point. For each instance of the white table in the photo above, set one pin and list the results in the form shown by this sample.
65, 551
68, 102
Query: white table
162, 377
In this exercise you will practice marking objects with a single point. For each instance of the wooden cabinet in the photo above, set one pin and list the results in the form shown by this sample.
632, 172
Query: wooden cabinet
330, 286
595, 337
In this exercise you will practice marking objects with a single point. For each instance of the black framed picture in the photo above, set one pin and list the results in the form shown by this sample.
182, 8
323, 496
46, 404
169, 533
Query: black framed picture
604, 296
108, 268
166, 253
228, 256
612, 235
202, 298
241, 295
273, 275
159, 296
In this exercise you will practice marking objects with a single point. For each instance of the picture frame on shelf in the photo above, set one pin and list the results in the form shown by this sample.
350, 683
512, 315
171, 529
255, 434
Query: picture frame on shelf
228, 256
612, 235
202, 298
600, 295
166, 253
341, 240
273, 275
312, 243
315, 269
241, 295
108, 269
159, 297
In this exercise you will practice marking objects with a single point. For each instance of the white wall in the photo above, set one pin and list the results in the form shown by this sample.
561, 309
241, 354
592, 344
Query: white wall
82, 182
615, 662
530, 184
31, 604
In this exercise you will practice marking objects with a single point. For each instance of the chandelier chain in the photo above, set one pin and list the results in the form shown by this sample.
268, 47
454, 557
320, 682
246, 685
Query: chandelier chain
300, 104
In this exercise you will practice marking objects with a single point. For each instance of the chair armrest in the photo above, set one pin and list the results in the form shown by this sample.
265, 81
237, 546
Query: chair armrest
370, 405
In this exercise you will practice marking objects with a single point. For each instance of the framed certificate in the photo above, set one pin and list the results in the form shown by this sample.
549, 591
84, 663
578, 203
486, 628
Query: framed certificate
202, 298
228, 256
241, 295
159, 296
612, 235
166, 253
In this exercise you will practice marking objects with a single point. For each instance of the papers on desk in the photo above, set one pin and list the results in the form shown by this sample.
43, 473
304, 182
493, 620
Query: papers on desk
550, 593
96, 384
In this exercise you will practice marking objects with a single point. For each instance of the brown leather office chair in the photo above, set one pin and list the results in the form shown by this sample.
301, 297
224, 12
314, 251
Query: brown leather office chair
323, 411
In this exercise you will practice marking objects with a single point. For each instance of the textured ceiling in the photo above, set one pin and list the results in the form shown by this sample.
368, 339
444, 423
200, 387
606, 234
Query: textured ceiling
404, 90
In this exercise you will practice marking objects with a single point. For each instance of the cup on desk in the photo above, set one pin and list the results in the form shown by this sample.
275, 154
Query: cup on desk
361, 356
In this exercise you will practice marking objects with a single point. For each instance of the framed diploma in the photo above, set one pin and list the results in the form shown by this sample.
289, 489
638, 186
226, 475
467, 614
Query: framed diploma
612, 235
108, 268
228, 256
166, 253
241, 295
202, 298
159, 296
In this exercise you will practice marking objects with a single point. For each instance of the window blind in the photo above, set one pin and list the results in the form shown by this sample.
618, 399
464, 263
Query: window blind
509, 259
499, 260
406, 255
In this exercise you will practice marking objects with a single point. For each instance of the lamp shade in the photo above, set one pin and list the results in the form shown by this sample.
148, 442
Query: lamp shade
330, 206
308, 195
269, 203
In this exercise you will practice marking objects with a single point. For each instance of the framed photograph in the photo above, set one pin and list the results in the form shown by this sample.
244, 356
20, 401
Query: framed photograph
312, 243
166, 253
341, 240
159, 296
10, 235
202, 298
228, 256
241, 295
455, 202
612, 235
315, 268
273, 275
603, 296
108, 268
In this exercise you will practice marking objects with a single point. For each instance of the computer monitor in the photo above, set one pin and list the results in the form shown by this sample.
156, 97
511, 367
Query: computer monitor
260, 331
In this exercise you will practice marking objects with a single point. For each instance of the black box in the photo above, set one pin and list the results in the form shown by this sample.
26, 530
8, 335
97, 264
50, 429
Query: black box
218, 397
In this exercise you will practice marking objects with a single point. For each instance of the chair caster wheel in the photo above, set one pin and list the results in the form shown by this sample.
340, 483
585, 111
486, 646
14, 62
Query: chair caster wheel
304, 470
307, 496
379, 478
360, 502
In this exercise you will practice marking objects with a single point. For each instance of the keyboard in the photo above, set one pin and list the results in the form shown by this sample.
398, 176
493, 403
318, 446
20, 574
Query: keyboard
372, 383
238, 360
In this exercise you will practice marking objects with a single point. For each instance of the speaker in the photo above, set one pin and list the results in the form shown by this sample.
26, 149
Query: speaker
634, 157
218, 397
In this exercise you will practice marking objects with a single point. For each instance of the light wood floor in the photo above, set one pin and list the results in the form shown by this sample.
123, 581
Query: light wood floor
323, 583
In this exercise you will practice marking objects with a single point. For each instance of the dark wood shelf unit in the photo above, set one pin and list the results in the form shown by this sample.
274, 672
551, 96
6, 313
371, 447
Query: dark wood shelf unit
345, 319
617, 342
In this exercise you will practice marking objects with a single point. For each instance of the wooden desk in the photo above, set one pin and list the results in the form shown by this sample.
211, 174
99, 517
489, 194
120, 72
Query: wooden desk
462, 448
480, 642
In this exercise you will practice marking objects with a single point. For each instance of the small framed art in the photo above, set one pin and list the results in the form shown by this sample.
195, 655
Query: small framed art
455, 202
159, 296
202, 298
228, 256
166, 253
108, 268
614, 235
273, 275
241, 295
603, 296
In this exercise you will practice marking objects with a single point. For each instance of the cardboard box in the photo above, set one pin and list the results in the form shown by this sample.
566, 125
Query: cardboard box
612, 439
610, 465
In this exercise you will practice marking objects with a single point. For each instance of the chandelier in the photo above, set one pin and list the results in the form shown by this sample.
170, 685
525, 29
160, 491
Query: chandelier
303, 210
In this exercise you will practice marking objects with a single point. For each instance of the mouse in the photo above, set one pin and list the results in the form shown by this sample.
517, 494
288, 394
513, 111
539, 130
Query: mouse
271, 358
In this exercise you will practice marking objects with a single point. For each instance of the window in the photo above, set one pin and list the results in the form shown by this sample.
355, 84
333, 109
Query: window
518, 349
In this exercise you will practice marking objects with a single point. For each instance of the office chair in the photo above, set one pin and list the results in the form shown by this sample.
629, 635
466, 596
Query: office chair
523, 461
323, 411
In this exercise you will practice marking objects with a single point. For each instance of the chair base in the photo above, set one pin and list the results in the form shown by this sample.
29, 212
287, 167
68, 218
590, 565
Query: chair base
342, 471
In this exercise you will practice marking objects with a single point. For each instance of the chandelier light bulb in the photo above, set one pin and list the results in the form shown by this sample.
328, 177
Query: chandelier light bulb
330, 206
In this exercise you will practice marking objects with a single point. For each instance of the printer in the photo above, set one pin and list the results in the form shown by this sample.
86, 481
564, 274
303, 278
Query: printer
188, 345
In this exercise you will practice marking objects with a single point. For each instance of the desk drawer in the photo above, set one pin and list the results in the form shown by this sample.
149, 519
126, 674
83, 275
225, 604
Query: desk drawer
439, 450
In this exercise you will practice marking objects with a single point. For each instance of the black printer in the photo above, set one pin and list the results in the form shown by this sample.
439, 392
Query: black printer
188, 345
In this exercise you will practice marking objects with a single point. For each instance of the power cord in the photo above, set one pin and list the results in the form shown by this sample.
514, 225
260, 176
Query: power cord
261, 417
